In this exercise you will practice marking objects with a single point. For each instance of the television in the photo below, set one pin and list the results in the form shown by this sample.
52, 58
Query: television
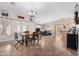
4, 14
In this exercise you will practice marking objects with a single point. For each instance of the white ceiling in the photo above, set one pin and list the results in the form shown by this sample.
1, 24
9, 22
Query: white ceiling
46, 11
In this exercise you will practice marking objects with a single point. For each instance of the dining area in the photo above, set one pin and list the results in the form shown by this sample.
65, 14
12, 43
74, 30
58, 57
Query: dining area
26, 38
36, 29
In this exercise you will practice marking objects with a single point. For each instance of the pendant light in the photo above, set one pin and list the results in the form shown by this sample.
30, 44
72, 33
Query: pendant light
32, 14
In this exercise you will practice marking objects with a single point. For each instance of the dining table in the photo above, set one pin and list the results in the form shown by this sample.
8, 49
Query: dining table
27, 37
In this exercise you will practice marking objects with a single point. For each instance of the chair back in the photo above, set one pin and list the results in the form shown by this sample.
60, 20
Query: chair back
16, 36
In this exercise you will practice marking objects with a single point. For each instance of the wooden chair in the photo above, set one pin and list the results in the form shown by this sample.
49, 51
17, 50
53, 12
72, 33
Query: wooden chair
38, 37
27, 37
35, 37
19, 42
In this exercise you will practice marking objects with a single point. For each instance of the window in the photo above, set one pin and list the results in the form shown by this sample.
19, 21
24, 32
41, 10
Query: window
8, 30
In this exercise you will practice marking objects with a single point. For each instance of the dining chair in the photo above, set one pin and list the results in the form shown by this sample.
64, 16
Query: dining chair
38, 37
35, 37
19, 42
27, 37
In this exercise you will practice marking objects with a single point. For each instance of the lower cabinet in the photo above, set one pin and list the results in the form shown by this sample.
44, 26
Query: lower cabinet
72, 41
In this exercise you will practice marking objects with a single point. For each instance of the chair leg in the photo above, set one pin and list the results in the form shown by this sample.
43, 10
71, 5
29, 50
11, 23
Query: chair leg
21, 44
26, 43
38, 42
16, 44
34, 42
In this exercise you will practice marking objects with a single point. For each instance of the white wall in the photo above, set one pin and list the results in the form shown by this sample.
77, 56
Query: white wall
8, 27
68, 22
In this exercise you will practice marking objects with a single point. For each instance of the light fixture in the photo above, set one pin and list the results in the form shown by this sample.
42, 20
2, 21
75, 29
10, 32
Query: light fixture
76, 7
32, 14
76, 14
